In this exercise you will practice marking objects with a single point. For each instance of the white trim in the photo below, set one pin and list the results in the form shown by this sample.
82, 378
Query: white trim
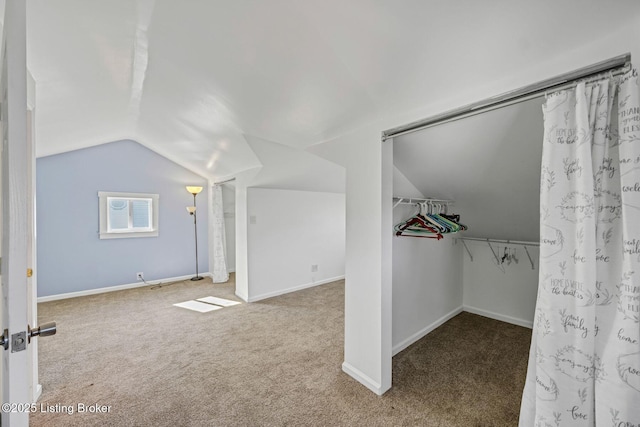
116, 288
293, 289
498, 316
363, 379
242, 296
37, 393
424, 331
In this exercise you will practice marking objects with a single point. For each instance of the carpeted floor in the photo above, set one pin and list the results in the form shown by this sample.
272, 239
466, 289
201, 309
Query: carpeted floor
272, 363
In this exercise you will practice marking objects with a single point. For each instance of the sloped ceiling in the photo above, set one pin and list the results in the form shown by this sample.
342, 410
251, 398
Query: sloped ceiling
199, 80
487, 164
303, 170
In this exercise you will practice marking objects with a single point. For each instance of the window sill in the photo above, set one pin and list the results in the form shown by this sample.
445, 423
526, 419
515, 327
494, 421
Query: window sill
129, 234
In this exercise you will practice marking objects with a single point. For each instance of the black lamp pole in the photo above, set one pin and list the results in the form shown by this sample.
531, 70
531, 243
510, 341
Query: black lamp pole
195, 229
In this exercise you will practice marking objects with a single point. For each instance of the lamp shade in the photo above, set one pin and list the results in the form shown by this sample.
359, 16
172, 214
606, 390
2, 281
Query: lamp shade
191, 209
194, 189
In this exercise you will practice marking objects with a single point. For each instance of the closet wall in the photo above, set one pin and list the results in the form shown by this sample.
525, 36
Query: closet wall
427, 277
427, 284
504, 291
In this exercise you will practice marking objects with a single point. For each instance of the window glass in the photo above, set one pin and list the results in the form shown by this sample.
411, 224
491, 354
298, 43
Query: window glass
118, 214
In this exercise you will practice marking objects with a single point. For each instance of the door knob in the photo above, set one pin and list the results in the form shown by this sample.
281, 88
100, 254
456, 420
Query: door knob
43, 330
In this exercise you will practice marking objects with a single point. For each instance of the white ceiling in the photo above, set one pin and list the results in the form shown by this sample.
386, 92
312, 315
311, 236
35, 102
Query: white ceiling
200, 81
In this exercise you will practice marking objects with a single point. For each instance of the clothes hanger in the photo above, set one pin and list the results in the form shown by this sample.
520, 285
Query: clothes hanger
430, 221
443, 225
418, 226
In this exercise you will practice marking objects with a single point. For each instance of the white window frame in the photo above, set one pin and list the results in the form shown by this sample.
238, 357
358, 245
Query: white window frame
106, 233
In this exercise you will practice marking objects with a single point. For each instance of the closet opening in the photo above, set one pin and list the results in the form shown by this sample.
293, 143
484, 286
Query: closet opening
463, 304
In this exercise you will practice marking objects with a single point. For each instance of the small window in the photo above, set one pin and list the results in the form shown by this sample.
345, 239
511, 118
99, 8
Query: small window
128, 215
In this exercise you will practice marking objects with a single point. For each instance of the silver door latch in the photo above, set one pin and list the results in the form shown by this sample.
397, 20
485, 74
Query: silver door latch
20, 340
4, 340
45, 330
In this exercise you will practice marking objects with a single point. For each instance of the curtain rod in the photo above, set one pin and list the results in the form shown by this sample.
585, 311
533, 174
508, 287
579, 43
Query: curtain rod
225, 181
515, 96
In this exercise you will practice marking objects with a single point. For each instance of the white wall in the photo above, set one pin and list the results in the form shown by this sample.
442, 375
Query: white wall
114, 262
229, 203
427, 283
288, 232
367, 322
242, 262
503, 292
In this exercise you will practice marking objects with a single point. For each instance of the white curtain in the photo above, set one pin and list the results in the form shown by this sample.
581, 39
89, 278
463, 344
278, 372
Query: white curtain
584, 363
219, 242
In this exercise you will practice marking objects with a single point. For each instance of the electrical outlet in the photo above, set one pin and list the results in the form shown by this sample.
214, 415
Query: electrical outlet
140, 276
314, 268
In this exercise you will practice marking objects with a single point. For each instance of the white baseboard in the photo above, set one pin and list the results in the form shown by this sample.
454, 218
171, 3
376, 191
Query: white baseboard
292, 289
37, 393
242, 296
363, 379
498, 316
116, 288
424, 331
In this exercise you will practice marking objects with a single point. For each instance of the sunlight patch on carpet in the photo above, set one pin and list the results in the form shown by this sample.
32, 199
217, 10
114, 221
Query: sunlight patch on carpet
218, 301
206, 304
198, 306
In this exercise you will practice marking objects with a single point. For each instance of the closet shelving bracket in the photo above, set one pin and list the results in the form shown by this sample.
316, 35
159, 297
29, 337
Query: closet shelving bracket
494, 252
506, 242
468, 251
530, 260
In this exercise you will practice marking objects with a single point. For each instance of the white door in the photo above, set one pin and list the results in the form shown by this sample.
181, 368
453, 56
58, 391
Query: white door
16, 183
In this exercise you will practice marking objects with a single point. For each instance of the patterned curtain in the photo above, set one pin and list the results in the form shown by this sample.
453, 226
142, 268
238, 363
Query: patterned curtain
584, 363
219, 245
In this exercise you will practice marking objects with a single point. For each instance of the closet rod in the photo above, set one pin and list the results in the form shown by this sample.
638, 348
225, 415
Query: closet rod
507, 242
620, 64
414, 200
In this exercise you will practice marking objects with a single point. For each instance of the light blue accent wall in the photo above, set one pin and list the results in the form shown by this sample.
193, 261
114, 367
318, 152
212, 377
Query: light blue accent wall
71, 256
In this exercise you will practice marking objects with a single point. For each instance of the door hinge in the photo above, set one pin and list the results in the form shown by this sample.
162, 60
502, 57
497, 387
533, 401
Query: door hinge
29, 272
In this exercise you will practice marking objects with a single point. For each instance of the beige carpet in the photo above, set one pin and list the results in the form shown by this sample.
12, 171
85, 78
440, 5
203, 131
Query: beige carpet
271, 363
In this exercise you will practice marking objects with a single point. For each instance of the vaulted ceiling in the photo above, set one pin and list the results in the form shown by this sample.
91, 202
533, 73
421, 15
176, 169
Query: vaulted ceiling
228, 86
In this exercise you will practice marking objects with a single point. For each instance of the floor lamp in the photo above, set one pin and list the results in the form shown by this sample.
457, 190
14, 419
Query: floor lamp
192, 211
